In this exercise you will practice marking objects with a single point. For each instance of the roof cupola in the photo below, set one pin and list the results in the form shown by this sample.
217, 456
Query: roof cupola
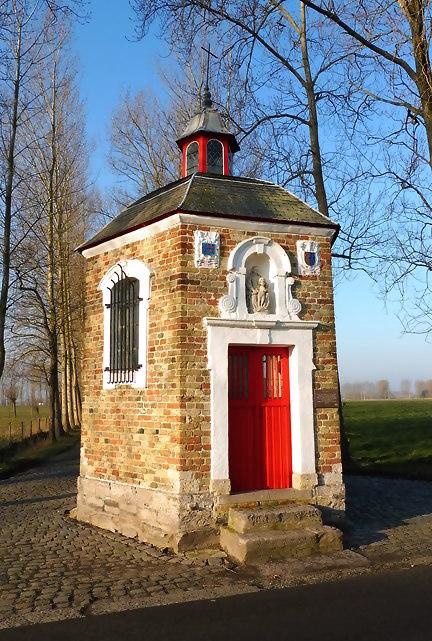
206, 143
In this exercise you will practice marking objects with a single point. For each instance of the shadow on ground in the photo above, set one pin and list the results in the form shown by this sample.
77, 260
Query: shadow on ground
376, 505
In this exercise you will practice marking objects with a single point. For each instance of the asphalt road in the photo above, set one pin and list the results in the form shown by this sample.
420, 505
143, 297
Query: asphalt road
394, 606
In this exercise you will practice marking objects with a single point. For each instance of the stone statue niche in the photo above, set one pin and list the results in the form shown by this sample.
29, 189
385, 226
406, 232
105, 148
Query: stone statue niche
260, 298
259, 283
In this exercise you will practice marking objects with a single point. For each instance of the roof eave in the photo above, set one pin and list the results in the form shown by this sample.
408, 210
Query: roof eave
89, 245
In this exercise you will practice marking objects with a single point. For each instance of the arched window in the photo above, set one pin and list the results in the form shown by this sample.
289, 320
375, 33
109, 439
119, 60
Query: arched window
126, 296
214, 157
192, 158
124, 327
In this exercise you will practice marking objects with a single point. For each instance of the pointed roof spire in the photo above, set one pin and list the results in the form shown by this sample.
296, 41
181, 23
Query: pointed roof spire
207, 102
207, 118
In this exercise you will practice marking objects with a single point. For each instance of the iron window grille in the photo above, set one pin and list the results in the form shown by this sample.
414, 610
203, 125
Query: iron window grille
124, 328
214, 157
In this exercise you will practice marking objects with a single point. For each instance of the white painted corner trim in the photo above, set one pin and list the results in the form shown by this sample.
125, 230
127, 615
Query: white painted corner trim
133, 268
298, 337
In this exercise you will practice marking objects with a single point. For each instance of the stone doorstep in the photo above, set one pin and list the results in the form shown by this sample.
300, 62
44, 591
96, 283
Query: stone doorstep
264, 496
285, 517
261, 546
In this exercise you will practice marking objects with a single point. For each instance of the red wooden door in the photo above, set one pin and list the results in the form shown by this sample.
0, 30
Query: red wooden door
259, 418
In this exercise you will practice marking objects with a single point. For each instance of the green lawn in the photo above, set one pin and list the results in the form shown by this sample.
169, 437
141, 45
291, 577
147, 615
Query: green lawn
390, 437
32, 452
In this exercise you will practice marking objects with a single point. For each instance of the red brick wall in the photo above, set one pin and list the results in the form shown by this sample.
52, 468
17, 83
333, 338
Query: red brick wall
135, 436
132, 435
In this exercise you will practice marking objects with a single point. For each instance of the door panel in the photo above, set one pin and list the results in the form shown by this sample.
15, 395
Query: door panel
259, 418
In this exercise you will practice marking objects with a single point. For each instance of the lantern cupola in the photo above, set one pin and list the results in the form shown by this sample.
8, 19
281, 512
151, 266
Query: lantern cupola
206, 144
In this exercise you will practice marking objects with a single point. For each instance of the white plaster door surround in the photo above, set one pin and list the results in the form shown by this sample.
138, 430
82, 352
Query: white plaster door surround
298, 337
282, 328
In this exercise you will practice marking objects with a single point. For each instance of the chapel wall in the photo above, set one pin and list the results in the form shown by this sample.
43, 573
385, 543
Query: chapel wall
145, 459
132, 435
202, 288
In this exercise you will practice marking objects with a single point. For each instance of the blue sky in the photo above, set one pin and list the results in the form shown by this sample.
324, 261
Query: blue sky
370, 340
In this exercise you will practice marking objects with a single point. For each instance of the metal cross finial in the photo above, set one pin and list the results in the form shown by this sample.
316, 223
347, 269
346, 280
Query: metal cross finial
209, 53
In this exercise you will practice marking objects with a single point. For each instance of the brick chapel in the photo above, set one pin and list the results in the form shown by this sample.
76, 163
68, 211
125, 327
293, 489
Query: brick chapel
209, 371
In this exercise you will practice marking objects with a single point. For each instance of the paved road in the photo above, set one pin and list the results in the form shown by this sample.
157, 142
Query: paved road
390, 606
52, 567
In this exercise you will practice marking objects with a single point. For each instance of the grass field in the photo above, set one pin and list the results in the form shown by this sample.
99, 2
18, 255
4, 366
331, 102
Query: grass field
390, 437
33, 451
385, 437
25, 415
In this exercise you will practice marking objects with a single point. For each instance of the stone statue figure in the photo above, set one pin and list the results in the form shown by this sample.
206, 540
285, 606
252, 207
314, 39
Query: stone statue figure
260, 296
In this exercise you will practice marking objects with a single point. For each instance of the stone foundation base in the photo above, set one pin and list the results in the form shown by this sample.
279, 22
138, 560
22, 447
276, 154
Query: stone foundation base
330, 491
179, 522
330, 497
190, 521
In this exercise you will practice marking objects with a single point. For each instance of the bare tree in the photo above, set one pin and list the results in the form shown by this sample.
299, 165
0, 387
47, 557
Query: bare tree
423, 388
383, 388
142, 152
287, 89
25, 44
24, 49
390, 67
50, 275
11, 393
405, 388
34, 400
397, 34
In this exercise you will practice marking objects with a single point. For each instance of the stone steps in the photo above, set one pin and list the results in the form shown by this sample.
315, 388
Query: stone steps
285, 517
258, 535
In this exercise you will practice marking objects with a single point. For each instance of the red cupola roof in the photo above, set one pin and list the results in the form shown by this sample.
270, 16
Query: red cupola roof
206, 143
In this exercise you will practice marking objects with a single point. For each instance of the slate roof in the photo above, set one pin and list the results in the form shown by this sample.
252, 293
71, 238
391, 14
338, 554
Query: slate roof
213, 195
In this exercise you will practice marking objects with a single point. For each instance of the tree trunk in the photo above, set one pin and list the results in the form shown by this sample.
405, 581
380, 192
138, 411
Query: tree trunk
10, 175
51, 285
77, 390
52, 400
414, 11
64, 387
55, 383
65, 404
320, 191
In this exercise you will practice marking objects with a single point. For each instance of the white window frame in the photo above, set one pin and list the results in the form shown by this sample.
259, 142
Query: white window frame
133, 268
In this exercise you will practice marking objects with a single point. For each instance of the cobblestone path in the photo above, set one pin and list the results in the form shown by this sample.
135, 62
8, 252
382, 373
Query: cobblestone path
50, 563
391, 519
52, 567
